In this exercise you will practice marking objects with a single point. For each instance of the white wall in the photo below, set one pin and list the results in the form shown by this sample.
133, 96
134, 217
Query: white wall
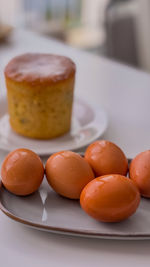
143, 33
10, 11
93, 12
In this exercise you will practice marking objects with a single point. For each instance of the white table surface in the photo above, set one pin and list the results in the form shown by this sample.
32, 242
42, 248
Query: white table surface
125, 94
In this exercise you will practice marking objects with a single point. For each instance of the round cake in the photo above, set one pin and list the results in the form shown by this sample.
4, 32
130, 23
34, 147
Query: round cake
40, 94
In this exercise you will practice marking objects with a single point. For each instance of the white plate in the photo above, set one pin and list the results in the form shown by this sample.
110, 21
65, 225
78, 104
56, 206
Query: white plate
47, 211
88, 124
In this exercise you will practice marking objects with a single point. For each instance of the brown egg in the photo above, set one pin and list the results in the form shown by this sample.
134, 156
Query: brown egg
22, 172
67, 173
106, 158
139, 172
110, 198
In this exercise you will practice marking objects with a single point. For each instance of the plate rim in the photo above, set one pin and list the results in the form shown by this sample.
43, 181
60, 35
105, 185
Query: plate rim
96, 110
65, 231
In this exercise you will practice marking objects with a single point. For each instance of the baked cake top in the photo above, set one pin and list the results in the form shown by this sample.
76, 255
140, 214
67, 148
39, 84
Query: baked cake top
39, 68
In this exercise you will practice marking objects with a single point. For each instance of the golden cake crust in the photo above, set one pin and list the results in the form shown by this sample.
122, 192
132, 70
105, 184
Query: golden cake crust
36, 68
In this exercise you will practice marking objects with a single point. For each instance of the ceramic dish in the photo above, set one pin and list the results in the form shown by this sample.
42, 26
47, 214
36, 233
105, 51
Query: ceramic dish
45, 210
88, 124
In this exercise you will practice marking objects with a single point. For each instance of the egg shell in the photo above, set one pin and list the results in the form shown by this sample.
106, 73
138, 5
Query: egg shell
139, 172
67, 173
22, 172
110, 198
106, 158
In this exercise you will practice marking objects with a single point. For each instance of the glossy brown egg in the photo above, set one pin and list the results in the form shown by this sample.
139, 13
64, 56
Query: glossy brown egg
22, 172
139, 172
67, 173
106, 158
110, 198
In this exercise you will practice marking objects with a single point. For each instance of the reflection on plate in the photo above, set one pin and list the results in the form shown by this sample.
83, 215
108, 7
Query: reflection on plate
88, 124
45, 210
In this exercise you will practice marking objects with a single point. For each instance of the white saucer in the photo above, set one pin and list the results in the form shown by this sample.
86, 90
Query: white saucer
88, 124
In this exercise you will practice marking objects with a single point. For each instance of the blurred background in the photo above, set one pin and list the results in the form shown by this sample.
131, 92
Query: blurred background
117, 29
